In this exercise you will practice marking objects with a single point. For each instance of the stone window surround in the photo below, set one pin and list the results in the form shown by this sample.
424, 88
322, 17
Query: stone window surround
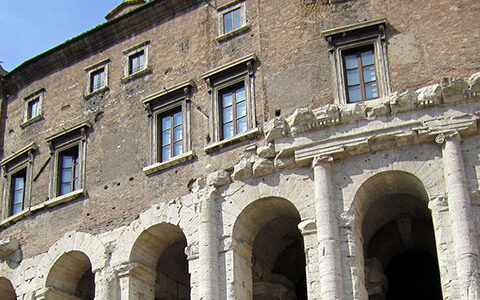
143, 46
168, 99
223, 77
93, 68
222, 10
368, 33
72, 137
22, 159
39, 94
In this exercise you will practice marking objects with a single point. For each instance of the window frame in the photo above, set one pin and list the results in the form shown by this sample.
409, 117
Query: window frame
167, 101
74, 137
360, 67
220, 79
91, 71
129, 53
230, 8
34, 97
21, 160
368, 34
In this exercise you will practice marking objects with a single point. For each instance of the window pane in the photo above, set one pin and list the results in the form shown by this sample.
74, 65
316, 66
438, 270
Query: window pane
165, 138
367, 57
354, 94
227, 22
237, 19
227, 130
67, 161
65, 188
166, 123
177, 148
16, 209
166, 153
240, 94
351, 61
242, 125
241, 109
353, 77
371, 90
177, 118
18, 183
227, 114
142, 60
369, 74
66, 175
177, 133
226, 99
18, 198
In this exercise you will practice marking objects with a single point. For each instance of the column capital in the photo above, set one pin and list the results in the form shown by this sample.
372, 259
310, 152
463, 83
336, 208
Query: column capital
447, 136
321, 159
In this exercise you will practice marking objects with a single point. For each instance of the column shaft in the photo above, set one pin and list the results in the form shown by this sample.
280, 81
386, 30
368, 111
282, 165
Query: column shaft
331, 281
463, 227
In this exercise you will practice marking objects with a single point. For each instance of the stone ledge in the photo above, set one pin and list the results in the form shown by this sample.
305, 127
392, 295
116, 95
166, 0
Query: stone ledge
235, 139
233, 33
32, 120
156, 167
141, 73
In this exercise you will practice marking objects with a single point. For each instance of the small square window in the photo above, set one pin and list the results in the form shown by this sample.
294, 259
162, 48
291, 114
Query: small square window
33, 108
97, 80
68, 156
170, 130
232, 20
17, 170
359, 56
136, 62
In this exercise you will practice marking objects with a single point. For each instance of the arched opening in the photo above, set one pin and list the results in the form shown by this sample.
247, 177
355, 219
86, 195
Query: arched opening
6, 289
269, 251
71, 277
399, 241
161, 248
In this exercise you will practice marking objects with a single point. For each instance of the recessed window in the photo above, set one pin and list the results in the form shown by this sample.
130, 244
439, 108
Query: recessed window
360, 65
136, 62
18, 181
68, 171
232, 20
33, 108
234, 111
97, 80
171, 135
360, 75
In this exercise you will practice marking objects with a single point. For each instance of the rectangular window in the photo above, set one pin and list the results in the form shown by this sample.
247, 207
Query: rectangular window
18, 192
33, 108
360, 75
97, 80
232, 20
233, 111
171, 135
68, 171
136, 62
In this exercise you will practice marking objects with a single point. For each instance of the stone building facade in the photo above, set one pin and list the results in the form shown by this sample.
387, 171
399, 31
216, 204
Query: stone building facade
247, 149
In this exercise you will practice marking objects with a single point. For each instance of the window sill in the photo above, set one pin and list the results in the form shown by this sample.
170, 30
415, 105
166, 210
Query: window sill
32, 120
15, 218
235, 139
135, 75
233, 33
99, 91
64, 198
156, 167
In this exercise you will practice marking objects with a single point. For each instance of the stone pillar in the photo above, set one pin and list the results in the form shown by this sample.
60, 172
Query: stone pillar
136, 282
208, 246
460, 207
105, 284
331, 281
308, 228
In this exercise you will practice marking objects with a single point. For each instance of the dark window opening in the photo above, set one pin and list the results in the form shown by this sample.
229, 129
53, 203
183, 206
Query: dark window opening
68, 171
18, 192
170, 135
33, 108
233, 112
97, 80
136, 62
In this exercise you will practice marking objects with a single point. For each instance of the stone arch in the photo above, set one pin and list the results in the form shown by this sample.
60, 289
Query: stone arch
159, 261
393, 221
268, 251
6, 289
71, 277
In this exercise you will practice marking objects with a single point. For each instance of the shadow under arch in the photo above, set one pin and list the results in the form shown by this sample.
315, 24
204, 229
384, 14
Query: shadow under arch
7, 291
71, 277
268, 251
160, 251
391, 209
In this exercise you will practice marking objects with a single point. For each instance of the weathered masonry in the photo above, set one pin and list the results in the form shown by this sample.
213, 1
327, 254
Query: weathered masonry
246, 149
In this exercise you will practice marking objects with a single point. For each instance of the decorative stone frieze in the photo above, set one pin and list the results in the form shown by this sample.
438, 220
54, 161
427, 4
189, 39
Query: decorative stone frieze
263, 167
453, 89
429, 95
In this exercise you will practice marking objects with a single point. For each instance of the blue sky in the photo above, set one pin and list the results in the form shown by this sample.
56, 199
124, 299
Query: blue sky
31, 27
